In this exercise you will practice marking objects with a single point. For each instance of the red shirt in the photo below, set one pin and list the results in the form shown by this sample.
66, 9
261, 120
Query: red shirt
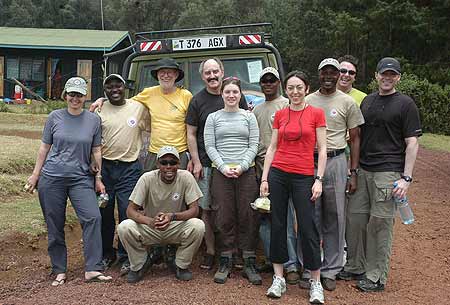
297, 139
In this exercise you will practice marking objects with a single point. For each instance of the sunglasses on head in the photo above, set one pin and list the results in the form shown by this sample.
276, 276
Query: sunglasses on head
75, 94
231, 78
345, 71
168, 162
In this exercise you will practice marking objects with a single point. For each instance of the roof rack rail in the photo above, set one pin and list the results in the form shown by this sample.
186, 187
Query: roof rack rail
151, 34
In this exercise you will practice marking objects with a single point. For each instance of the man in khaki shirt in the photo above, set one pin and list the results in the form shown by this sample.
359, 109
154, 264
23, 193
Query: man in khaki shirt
122, 124
342, 114
168, 198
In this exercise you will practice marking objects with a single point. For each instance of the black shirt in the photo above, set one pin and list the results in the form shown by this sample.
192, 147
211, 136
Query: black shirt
201, 105
389, 119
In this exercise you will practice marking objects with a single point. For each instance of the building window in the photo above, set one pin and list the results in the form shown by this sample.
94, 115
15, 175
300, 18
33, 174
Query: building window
26, 68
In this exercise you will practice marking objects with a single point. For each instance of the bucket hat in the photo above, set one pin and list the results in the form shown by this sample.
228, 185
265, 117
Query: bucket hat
167, 63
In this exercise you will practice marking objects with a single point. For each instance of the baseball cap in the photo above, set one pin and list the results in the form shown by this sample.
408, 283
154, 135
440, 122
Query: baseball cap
113, 76
329, 62
75, 84
389, 64
269, 70
167, 150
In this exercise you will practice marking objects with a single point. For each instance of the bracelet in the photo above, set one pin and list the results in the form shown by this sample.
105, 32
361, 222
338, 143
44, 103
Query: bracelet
264, 181
98, 176
173, 217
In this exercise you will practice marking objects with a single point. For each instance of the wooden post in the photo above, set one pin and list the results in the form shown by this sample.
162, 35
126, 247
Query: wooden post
49, 78
2, 74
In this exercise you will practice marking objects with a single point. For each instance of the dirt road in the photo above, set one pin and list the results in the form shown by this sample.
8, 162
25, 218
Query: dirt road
420, 269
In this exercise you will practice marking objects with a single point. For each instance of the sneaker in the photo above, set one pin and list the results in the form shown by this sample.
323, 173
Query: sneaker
304, 283
349, 276
292, 277
136, 276
224, 270
107, 262
125, 268
278, 287
328, 284
367, 285
316, 292
250, 272
183, 274
208, 262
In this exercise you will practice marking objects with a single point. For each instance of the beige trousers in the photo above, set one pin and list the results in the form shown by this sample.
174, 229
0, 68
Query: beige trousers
137, 237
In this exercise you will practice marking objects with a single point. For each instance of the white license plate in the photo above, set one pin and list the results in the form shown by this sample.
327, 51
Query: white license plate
198, 43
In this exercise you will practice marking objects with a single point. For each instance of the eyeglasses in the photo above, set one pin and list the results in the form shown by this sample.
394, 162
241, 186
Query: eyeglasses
75, 94
168, 162
345, 71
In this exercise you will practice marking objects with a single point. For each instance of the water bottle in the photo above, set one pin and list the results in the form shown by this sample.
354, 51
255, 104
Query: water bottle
404, 209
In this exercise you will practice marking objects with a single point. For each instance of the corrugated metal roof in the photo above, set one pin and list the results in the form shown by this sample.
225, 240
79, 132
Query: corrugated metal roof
62, 39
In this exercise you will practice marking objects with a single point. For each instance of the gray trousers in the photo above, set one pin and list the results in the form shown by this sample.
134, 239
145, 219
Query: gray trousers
53, 194
330, 210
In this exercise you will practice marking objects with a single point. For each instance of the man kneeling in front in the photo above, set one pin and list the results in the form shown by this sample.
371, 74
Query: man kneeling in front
162, 210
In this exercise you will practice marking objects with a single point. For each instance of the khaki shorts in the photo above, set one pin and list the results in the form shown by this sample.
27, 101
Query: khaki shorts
374, 194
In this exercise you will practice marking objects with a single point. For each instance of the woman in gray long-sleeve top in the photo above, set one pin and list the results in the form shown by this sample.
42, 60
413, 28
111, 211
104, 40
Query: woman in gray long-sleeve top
231, 141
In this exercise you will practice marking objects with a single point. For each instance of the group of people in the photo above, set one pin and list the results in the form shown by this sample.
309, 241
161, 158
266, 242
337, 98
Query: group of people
327, 166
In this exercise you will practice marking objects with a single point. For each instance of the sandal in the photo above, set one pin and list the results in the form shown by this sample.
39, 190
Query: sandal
58, 282
99, 278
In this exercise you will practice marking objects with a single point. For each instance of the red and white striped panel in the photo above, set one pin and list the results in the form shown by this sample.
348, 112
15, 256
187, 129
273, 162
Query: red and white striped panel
249, 39
149, 46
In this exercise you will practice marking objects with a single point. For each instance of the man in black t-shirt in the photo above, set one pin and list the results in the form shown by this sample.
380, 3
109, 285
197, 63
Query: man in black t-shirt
207, 101
389, 145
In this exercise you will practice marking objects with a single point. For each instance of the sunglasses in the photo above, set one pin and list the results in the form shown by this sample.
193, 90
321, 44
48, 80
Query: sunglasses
345, 71
268, 80
75, 94
231, 78
168, 162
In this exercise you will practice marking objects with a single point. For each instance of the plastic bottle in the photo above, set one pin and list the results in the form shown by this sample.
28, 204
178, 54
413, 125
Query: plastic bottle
404, 209
102, 200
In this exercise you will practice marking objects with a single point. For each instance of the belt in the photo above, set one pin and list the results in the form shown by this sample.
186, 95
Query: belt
116, 162
331, 153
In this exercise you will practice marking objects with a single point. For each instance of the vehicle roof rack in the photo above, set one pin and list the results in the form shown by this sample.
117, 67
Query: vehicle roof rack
155, 34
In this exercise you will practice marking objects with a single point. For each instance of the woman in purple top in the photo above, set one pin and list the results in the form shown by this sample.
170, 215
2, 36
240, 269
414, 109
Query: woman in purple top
62, 171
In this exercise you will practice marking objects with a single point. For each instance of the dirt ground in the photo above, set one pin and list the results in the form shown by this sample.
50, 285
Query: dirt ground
420, 268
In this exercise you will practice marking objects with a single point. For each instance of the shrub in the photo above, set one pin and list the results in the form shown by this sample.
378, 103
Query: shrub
3, 107
432, 100
46, 108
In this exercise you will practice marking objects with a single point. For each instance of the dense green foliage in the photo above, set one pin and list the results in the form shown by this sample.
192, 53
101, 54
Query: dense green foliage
432, 100
305, 31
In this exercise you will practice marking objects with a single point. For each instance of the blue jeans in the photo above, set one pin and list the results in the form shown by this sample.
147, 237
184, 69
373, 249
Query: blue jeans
119, 179
264, 234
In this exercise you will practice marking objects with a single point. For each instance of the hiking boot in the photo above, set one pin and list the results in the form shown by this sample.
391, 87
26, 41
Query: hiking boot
171, 252
156, 254
125, 268
265, 268
278, 287
183, 274
136, 276
107, 262
208, 262
250, 272
316, 292
328, 284
367, 285
349, 276
224, 270
304, 283
292, 277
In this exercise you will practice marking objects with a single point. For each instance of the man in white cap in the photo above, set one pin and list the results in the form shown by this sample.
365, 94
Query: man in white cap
389, 145
342, 114
169, 200
269, 80
122, 124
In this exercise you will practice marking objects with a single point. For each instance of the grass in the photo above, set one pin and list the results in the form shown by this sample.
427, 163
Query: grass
17, 154
435, 142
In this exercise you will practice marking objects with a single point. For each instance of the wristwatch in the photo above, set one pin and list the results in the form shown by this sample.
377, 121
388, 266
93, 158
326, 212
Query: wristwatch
319, 178
354, 171
173, 217
407, 178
